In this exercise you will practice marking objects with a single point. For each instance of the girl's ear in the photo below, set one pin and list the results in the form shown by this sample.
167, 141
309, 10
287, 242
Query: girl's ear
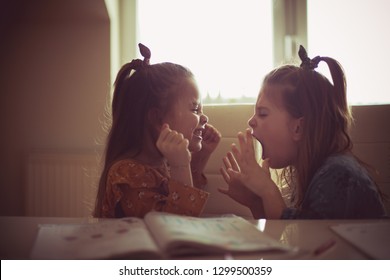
297, 129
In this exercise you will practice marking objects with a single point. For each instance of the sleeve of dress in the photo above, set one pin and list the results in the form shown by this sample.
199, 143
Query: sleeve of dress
127, 184
185, 200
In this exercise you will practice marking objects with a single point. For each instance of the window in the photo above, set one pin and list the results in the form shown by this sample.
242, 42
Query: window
230, 45
356, 34
226, 43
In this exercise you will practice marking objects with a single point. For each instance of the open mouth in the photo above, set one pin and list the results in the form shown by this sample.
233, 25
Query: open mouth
262, 151
261, 146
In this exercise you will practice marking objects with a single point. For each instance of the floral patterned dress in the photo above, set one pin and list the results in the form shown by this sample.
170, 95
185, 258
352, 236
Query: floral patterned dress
134, 189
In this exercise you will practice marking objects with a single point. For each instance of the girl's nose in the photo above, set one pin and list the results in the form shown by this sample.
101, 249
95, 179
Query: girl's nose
252, 122
203, 119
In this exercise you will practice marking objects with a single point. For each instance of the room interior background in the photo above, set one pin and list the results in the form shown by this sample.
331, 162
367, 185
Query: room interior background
56, 68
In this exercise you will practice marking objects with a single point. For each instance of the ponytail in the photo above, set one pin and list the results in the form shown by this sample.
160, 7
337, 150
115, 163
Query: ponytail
339, 81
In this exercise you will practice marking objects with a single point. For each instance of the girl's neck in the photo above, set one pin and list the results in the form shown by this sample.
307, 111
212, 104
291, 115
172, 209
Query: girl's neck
150, 161
149, 154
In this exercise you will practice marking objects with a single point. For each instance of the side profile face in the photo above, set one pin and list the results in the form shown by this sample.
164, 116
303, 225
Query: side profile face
186, 116
275, 129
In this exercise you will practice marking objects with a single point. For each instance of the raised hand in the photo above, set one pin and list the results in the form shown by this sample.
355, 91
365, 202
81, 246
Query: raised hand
249, 172
238, 191
174, 147
211, 138
245, 170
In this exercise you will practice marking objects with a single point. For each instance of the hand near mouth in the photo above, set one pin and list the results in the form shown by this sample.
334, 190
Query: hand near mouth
237, 190
174, 147
256, 178
249, 172
210, 140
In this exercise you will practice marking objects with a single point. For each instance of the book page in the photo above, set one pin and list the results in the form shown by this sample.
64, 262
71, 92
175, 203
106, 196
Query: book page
118, 238
373, 239
178, 235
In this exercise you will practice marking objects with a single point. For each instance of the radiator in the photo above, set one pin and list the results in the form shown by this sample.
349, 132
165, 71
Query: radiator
61, 184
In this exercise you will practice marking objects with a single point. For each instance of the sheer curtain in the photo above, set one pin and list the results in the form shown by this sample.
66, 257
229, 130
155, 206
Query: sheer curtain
226, 43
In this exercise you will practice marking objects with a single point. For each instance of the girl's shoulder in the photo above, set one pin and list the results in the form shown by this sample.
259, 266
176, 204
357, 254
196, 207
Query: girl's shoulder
340, 187
133, 172
344, 170
127, 165
342, 163
133, 167
130, 168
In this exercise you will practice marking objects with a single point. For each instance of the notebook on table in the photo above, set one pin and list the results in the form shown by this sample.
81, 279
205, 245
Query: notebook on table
157, 236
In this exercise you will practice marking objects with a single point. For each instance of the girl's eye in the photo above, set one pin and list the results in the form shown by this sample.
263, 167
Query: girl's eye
262, 113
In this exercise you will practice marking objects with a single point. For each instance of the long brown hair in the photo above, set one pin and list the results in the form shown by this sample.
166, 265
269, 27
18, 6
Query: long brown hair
327, 119
150, 86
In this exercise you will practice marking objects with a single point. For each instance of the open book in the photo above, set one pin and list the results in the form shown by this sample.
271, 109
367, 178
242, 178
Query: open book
158, 235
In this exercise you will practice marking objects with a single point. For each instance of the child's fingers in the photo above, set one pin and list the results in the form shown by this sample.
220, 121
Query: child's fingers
180, 144
179, 138
207, 133
217, 137
249, 141
242, 142
234, 175
174, 137
236, 153
227, 162
223, 190
169, 137
165, 131
212, 130
210, 134
265, 166
233, 163
246, 142
225, 175
185, 142
246, 145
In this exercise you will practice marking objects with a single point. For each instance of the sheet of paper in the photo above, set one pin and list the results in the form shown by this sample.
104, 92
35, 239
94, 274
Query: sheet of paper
371, 238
